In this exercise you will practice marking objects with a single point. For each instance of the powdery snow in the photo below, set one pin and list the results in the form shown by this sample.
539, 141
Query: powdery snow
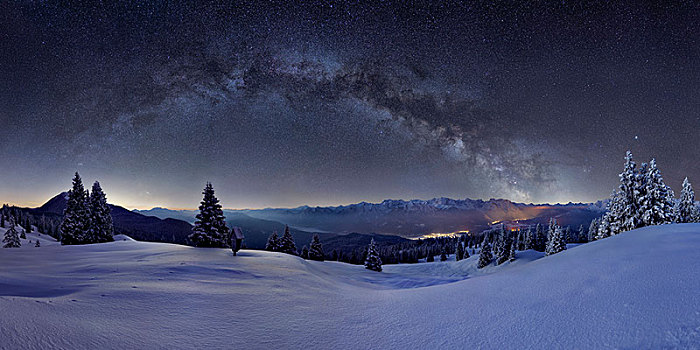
635, 290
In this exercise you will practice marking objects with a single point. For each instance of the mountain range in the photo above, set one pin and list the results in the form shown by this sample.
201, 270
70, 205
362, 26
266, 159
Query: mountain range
413, 218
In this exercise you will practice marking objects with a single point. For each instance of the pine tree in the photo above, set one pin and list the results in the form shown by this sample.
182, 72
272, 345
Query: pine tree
592, 230
316, 249
101, 216
556, 243
430, 258
505, 243
687, 209
443, 254
22, 233
629, 217
373, 262
304, 253
568, 238
540, 239
654, 204
459, 251
37, 244
75, 227
210, 227
485, 255
272, 243
511, 254
582, 237
286, 243
11, 239
529, 239
2, 219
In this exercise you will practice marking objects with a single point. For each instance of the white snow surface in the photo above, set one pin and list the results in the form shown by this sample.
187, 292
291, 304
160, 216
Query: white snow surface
636, 290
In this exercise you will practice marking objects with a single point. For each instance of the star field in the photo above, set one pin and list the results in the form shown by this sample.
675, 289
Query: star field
326, 103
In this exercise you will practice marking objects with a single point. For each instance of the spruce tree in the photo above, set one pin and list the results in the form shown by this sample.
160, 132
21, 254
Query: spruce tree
459, 251
210, 227
316, 249
582, 237
272, 243
540, 239
11, 239
75, 227
505, 243
37, 244
443, 254
22, 233
687, 209
101, 216
2, 219
556, 243
485, 255
304, 253
592, 230
286, 243
373, 262
511, 254
629, 216
529, 239
655, 207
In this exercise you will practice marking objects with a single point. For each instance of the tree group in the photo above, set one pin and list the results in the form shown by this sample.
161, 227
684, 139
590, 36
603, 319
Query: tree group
87, 217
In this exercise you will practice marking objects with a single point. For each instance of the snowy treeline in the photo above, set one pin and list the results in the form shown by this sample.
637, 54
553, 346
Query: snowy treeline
27, 221
643, 199
87, 218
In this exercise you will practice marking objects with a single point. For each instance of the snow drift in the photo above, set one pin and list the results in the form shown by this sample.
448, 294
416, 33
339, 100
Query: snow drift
639, 289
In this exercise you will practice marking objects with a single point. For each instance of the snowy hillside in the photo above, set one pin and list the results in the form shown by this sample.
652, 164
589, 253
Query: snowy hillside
639, 289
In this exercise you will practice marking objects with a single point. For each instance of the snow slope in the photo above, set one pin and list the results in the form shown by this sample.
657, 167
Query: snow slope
636, 290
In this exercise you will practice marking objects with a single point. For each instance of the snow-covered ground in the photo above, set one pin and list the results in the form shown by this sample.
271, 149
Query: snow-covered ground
637, 290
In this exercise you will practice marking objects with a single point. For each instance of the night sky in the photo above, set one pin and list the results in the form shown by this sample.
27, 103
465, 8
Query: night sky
333, 103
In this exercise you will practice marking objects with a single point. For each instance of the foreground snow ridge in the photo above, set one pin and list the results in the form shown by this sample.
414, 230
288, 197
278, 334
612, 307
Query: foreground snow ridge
639, 289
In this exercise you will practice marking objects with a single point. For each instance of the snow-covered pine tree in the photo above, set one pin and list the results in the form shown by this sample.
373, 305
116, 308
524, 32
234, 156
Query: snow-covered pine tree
551, 227
459, 251
568, 236
210, 227
443, 254
505, 243
593, 230
316, 249
629, 215
687, 209
511, 253
101, 216
581, 235
655, 206
540, 239
529, 239
37, 244
272, 242
500, 248
485, 255
466, 252
286, 243
304, 253
373, 262
11, 239
75, 227
556, 243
